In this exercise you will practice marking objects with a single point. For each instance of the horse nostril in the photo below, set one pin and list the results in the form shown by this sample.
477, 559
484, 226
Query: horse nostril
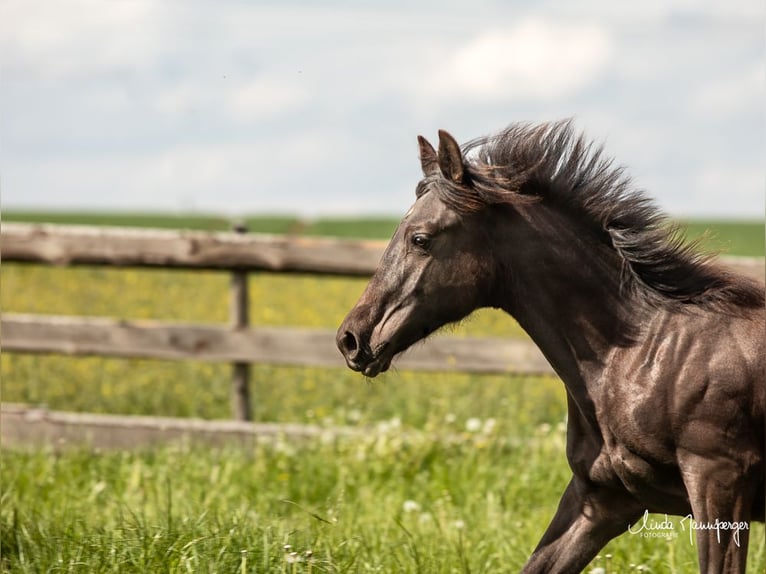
349, 344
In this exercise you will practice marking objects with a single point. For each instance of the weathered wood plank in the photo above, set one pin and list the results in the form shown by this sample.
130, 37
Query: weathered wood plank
270, 345
127, 247
239, 305
29, 427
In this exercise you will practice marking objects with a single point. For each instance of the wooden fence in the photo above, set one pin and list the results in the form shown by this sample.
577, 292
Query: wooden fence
237, 343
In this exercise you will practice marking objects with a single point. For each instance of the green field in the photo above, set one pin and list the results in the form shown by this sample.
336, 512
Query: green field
730, 237
451, 473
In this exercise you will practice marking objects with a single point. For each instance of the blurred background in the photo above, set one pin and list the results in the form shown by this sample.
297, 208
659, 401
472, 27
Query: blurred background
302, 118
239, 108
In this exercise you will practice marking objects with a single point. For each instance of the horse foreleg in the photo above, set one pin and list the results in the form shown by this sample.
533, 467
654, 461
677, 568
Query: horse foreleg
587, 518
721, 504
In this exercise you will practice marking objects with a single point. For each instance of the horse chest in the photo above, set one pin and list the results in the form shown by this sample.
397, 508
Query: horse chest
616, 444
638, 452
654, 484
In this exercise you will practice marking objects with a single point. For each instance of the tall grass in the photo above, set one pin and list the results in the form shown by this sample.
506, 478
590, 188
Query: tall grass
389, 501
455, 500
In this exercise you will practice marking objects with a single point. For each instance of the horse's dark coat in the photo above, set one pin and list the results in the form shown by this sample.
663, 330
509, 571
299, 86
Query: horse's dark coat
660, 349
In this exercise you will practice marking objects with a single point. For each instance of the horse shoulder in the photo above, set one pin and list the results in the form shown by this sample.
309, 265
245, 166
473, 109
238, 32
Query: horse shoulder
693, 382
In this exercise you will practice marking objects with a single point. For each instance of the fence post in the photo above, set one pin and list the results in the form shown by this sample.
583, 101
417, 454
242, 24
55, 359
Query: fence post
239, 311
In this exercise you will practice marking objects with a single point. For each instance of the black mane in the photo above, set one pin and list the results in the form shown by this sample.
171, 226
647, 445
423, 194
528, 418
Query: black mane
552, 163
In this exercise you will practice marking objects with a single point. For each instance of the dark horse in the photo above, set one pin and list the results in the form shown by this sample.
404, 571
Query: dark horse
660, 349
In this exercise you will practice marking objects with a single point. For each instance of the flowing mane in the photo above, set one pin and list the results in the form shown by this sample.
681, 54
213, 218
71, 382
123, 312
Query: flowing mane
552, 163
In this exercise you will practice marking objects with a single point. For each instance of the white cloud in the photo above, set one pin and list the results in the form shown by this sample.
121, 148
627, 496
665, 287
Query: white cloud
533, 59
265, 98
652, 11
731, 93
741, 186
256, 173
259, 99
63, 39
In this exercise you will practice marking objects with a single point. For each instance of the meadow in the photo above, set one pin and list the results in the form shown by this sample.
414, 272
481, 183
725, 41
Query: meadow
448, 472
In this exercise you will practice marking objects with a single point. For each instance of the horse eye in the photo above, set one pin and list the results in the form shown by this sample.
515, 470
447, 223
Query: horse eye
420, 240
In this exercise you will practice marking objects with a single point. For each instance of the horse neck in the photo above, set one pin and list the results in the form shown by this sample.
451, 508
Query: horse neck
563, 286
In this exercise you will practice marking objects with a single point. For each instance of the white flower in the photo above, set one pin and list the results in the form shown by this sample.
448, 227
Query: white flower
410, 506
459, 524
293, 557
354, 415
598, 570
489, 426
327, 437
544, 429
473, 425
99, 487
386, 427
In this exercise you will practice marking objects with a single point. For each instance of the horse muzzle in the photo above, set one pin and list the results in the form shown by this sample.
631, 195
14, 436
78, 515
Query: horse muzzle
359, 357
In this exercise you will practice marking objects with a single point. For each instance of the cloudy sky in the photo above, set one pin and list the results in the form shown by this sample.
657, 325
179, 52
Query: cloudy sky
312, 109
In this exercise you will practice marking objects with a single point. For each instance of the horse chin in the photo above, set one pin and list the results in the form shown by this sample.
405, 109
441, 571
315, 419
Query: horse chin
379, 363
385, 352
379, 360
371, 364
375, 368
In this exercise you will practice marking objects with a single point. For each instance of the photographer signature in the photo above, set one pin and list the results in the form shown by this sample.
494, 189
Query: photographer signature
688, 523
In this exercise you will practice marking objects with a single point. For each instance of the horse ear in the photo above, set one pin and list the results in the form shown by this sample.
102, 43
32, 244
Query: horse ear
428, 160
450, 158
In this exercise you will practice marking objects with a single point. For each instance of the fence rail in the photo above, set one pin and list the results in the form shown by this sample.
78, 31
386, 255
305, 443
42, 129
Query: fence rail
129, 247
25, 426
272, 345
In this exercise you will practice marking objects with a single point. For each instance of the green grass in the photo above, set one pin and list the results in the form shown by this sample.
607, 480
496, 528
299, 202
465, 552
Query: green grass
204, 510
416, 491
452, 501
369, 227
201, 222
730, 237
